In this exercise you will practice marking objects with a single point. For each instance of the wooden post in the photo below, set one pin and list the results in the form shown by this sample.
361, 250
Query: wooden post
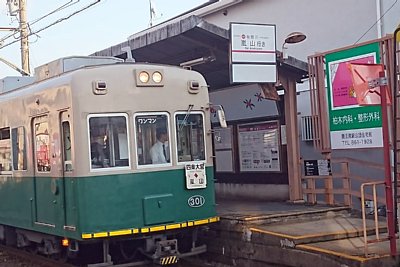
329, 198
292, 136
346, 184
311, 197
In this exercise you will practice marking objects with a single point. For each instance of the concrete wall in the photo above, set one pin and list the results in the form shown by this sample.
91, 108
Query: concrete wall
391, 19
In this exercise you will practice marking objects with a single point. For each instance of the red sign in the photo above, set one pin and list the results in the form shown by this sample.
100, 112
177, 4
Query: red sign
361, 74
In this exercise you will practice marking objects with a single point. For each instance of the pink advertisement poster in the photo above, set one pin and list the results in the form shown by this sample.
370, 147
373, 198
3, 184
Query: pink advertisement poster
343, 93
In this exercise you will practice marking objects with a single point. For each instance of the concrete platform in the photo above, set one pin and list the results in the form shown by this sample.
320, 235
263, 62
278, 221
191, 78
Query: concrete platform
324, 229
251, 211
295, 235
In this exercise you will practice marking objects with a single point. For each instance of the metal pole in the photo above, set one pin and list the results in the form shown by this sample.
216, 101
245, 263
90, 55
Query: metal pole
388, 172
151, 14
364, 220
23, 26
395, 122
8, 63
8, 29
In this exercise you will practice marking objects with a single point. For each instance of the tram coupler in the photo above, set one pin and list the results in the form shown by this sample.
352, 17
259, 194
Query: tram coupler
166, 252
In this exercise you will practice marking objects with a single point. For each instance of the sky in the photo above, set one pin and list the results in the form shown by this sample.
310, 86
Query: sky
104, 24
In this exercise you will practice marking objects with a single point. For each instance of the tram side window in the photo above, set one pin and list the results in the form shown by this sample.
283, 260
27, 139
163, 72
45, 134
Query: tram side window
67, 146
190, 137
18, 148
42, 138
152, 137
5, 150
108, 141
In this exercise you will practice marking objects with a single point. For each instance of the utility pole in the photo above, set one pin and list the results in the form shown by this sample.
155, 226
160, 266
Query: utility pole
23, 27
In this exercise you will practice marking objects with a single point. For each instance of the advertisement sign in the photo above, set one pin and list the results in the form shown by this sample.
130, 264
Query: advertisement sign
259, 147
351, 125
317, 167
253, 53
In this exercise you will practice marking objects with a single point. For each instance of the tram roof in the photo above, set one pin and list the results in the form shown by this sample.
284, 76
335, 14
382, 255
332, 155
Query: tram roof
187, 39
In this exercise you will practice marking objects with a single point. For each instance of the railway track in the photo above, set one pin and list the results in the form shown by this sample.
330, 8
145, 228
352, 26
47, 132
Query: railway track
13, 257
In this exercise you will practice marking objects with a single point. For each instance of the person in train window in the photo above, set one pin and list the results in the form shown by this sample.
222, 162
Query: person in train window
97, 152
159, 152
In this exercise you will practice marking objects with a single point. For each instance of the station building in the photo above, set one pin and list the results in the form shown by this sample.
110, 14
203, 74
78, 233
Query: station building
201, 37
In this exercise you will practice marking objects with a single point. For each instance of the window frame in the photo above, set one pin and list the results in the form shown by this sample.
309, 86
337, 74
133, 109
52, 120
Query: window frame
2, 172
66, 162
25, 155
40, 120
148, 166
176, 140
108, 169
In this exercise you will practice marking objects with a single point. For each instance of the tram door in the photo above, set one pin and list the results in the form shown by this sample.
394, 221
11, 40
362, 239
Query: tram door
69, 182
46, 200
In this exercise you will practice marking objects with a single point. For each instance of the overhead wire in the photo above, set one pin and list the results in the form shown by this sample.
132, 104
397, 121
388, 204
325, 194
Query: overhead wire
66, 5
54, 23
373, 25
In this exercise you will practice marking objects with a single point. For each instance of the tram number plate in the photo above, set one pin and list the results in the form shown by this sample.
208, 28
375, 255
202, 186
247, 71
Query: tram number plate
195, 175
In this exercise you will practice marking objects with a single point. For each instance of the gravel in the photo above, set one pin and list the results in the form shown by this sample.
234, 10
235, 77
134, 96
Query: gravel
7, 260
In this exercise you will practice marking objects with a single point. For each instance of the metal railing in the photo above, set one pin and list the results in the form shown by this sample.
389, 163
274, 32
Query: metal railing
340, 188
364, 220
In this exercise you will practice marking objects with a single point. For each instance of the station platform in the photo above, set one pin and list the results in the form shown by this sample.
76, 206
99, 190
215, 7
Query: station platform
257, 233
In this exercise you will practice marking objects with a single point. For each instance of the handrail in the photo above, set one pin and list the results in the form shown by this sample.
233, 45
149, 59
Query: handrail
348, 181
370, 164
376, 222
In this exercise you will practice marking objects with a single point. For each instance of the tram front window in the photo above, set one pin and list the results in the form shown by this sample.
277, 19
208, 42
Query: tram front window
152, 138
108, 141
190, 137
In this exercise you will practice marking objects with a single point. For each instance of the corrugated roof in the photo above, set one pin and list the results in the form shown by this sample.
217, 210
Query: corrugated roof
185, 40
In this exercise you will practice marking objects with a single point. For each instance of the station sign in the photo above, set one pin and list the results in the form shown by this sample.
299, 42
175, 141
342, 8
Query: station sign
252, 53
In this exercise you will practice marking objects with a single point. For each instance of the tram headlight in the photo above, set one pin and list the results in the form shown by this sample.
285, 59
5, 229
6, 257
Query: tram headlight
157, 77
149, 77
144, 76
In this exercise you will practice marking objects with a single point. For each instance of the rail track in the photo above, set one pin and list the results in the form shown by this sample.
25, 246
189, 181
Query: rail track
13, 257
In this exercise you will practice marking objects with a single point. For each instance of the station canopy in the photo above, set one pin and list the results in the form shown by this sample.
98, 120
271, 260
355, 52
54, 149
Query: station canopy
189, 39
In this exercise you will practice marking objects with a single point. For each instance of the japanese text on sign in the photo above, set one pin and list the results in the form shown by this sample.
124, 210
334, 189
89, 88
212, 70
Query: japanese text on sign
361, 118
195, 175
360, 138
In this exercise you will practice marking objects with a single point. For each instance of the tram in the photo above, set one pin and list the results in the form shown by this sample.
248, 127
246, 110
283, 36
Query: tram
78, 169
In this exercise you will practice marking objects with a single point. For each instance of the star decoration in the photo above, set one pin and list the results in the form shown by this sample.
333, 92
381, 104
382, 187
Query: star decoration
259, 97
248, 104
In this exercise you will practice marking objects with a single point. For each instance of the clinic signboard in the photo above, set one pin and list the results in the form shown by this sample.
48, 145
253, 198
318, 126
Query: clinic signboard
351, 125
252, 53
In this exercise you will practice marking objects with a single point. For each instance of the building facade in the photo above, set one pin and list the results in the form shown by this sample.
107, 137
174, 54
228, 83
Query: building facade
246, 164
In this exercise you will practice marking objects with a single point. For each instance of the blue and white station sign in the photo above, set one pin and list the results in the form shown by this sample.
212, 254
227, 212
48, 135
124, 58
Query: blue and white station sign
253, 53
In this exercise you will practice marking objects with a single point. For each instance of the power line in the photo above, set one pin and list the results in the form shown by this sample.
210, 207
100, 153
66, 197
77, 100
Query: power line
52, 24
70, 3
376, 21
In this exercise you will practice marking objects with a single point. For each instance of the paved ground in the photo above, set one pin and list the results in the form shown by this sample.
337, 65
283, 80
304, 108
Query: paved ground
337, 233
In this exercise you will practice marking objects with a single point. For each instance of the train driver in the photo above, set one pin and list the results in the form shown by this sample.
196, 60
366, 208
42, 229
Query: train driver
159, 152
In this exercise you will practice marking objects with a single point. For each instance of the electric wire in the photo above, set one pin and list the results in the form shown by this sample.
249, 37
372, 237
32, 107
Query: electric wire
373, 25
66, 5
54, 23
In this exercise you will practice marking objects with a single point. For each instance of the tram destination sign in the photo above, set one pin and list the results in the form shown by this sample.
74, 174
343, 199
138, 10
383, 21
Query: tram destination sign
195, 173
253, 53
